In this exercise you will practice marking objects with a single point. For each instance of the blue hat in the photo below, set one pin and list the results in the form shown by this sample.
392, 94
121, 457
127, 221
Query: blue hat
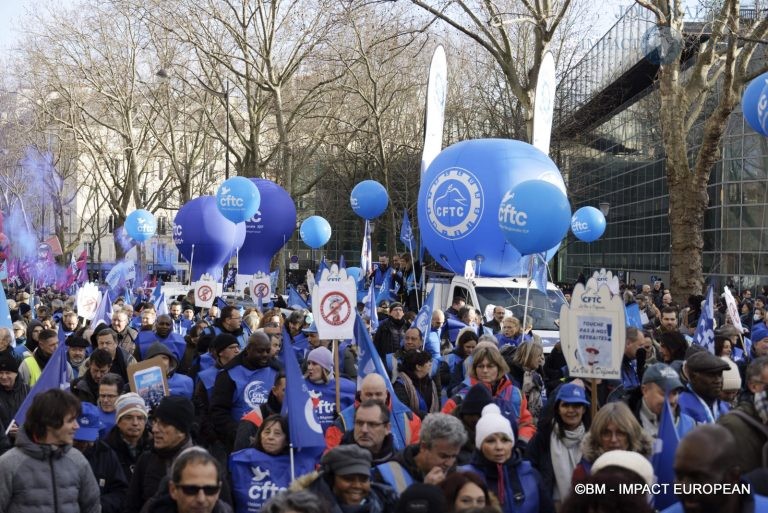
312, 328
572, 394
759, 332
90, 424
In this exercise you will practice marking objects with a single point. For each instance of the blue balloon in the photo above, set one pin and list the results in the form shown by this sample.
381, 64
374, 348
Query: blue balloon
369, 199
238, 199
588, 224
534, 216
205, 237
459, 198
315, 231
269, 229
140, 225
754, 104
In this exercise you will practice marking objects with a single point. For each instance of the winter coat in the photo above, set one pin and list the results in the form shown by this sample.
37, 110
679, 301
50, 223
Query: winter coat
36, 478
85, 388
389, 337
151, 468
125, 455
110, 477
752, 449
10, 400
381, 499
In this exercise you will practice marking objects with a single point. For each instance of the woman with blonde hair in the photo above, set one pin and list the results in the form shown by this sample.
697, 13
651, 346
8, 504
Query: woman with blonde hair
613, 428
489, 368
524, 369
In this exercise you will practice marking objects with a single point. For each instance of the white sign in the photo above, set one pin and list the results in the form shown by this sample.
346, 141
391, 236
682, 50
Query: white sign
733, 309
241, 282
334, 299
88, 299
469, 269
544, 103
606, 278
260, 286
593, 332
205, 293
437, 92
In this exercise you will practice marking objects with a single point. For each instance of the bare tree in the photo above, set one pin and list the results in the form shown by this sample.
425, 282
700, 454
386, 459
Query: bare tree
695, 105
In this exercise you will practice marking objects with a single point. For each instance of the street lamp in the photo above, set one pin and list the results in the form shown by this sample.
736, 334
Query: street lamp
605, 207
163, 74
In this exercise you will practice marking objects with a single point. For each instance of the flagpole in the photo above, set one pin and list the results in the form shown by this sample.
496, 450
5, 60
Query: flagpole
293, 467
191, 259
413, 270
336, 373
528, 291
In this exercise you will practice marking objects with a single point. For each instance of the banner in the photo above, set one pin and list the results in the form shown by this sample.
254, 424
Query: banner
406, 233
544, 103
704, 335
437, 92
733, 309
88, 299
333, 304
103, 314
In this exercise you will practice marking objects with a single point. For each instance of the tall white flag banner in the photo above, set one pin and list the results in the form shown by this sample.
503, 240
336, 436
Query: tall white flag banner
437, 91
544, 103
88, 299
334, 302
733, 309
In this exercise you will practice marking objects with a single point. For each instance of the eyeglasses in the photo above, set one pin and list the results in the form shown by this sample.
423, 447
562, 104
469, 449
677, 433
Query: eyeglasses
363, 423
193, 490
486, 366
272, 325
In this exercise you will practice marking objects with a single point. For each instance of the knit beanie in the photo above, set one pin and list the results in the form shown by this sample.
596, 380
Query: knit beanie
223, 341
321, 356
129, 403
8, 363
176, 411
478, 397
632, 461
492, 421
731, 377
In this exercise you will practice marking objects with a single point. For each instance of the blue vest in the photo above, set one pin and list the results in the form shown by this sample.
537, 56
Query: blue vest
326, 406
208, 378
529, 486
173, 341
182, 385
181, 326
691, 405
395, 475
257, 476
251, 388
107, 420
206, 361
242, 339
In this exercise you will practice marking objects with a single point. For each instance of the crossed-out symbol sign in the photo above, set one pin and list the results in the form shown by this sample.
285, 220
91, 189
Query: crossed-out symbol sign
204, 293
90, 304
335, 308
262, 290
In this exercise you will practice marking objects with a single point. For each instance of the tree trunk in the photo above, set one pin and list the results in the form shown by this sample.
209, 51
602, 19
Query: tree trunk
687, 204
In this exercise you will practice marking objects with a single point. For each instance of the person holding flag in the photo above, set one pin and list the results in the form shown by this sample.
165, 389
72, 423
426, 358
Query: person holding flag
322, 386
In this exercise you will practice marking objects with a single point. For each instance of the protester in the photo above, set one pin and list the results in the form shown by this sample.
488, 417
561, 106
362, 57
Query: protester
421, 498
556, 449
373, 431
465, 491
391, 333
414, 386
86, 387
452, 372
76, 353
12, 390
43, 473
299, 501
701, 399
106, 339
503, 471
524, 371
178, 384
32, 366
129, 437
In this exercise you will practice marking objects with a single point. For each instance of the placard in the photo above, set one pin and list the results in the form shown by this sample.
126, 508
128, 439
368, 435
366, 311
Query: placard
147, 378
334, 299
205, 293
88, 299
261, 287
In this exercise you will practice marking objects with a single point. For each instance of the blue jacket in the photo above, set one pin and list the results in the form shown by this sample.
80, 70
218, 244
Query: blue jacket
691, 404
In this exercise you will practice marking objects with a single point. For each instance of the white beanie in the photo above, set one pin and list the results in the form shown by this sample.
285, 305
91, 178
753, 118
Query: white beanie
629, 460
731, 377
492, 421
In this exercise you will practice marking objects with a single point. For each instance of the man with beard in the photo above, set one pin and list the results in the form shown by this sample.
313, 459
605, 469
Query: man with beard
86, 387
164, 334
230, 322
243, 385
105, 338
68, 326
180, 324
32, 366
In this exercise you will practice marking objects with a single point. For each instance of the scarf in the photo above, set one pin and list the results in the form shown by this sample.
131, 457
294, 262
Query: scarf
761, 405
565, 454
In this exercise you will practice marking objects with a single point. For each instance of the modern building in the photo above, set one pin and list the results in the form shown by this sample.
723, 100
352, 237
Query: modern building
608, 145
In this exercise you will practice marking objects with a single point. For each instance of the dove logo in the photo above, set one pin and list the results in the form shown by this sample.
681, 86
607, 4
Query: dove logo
262, 488
255, 394
454, 203
313, 403
508, 214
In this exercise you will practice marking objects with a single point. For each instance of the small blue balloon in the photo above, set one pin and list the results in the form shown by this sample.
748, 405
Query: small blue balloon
369, 199
588, 224
754, 104
238, 199
534, 216
140, 225
315, 232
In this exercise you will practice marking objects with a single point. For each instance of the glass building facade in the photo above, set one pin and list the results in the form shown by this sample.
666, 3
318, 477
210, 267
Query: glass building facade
609, 147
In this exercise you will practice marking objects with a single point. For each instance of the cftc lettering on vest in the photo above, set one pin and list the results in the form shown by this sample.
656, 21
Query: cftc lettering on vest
686, 488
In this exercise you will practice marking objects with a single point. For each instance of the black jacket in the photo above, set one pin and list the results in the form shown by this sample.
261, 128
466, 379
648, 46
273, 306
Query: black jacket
389, 337
163, 503
151, 468
125, 455
10, 400
85, 388
113, 483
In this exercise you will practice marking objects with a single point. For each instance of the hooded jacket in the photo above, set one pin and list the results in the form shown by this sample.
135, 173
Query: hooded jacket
39, 477
10, 400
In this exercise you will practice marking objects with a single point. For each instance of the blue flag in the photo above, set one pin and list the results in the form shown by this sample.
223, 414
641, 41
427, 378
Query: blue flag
161, 306
220, 303
370, 307
704, 335
103, 313
320, 268
128, 296
299, 405
294, 298
5, 316
385, 293
632, 316
406, 233
273, 281
540, 271
54, 375
370, 362
665, 446
158, 290
342, 262
423, 320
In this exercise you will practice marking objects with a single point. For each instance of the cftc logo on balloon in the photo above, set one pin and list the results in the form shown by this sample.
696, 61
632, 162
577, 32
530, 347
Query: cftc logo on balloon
238, 199
509, 215
454, 203
140, 225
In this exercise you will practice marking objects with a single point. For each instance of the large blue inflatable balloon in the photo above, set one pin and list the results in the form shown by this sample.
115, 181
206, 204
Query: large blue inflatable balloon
140, 225
238, 199
534, 216
754, 104
200, 225
369, 199
269, 229
588, 224
315, 231
459, 199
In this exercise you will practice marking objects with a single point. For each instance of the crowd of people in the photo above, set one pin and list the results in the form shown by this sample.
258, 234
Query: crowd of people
469, 416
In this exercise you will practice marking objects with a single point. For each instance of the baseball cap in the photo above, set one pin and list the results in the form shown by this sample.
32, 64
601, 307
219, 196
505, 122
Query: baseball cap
90, 423
664, 376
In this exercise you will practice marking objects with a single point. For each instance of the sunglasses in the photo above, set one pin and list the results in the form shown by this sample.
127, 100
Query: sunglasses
193, 490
